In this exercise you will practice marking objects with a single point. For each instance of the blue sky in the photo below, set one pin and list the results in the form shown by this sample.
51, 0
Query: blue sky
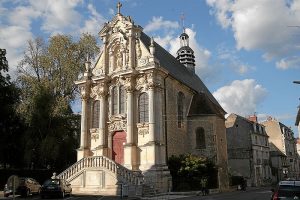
247, 52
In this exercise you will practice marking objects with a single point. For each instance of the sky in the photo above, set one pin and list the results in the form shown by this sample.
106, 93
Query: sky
247, 52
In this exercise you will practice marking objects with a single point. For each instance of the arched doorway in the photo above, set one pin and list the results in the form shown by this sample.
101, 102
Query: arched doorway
118, 141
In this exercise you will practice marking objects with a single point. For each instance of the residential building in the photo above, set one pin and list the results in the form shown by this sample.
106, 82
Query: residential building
248, 150
282, 137
141, 105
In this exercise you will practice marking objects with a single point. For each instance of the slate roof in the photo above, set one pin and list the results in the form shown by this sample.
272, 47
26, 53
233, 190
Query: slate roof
178, 70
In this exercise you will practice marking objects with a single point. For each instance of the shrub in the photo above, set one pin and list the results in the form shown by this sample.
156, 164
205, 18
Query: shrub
188, 170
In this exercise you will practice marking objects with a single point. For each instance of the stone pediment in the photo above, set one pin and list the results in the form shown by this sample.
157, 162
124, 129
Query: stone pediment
122, 50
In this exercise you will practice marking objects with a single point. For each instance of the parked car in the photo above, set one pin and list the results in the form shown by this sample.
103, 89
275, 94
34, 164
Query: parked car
25, 187
56, 187
286, 190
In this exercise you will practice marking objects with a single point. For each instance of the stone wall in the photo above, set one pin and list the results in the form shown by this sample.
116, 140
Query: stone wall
178, 140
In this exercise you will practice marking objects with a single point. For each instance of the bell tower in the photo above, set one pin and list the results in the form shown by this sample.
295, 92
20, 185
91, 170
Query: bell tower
185, 54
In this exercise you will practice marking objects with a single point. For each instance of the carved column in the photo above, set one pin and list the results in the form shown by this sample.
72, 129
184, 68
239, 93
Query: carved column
102, 93
159, 124
105, 55
151, 90
131, 47
111, 60
84, 149
130, 157
83, 131
129, 92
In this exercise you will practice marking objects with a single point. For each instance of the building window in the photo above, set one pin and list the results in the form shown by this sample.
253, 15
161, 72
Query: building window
95, 114
114, 100
180, 99
122, 99
143, 108
118, 100
200, 138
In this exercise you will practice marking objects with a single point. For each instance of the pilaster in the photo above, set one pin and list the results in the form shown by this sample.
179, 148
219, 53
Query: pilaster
102, 95
85, 91
130, 150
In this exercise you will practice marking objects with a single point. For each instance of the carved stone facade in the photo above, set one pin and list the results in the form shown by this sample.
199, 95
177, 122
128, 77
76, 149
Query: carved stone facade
137, 89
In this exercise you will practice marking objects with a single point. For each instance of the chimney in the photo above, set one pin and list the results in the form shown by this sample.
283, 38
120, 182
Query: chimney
253, 118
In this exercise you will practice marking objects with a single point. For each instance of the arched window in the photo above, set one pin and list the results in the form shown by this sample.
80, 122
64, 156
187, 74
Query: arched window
95, 114
180, 100
122, 99
143, 108
114, 101
200, 138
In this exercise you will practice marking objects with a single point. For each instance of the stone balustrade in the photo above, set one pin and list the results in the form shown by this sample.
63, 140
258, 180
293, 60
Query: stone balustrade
133, 177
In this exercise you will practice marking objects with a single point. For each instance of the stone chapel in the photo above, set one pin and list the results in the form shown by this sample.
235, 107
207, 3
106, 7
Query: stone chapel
140, 105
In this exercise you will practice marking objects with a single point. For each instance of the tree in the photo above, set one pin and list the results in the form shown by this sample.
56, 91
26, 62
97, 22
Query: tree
10, 124
46, 77
188, 170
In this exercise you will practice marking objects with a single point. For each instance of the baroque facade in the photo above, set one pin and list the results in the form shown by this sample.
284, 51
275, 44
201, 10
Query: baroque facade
140, 105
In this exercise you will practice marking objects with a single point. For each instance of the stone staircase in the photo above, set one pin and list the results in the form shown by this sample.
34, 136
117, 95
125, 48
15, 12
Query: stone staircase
102, 163
148, 191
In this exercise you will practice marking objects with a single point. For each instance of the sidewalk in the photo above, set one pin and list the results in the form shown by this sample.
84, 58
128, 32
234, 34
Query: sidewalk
177, 195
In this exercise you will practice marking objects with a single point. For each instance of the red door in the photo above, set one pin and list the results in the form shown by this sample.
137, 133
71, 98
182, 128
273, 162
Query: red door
119, 139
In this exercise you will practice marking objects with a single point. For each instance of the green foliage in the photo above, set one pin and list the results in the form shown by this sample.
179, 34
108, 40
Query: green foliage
10, 124
46, 78
188, 170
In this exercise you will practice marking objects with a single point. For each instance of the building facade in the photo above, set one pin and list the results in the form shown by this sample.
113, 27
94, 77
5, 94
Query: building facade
248, 150
140, 105
282, 137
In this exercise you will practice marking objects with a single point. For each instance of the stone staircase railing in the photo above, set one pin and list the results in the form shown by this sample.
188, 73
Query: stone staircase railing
127, 175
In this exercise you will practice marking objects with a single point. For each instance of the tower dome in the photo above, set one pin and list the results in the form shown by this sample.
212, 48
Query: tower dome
185, 54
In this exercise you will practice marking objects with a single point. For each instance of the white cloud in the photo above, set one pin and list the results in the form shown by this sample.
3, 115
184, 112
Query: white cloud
229, 58
261, 25
111, 11
23, 16
165, 41
55, 16
291, 62
241, 96
167, 38
15, 30
221, 8
158, 23
95, 21
59, 15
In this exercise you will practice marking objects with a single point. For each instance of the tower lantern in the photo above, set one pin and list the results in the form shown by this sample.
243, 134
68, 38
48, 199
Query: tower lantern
185, 54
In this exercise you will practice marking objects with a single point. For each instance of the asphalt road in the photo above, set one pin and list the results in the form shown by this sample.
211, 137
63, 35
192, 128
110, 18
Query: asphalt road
251, 194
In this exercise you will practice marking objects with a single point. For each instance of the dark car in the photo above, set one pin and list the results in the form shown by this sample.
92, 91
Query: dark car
55, 187
25, 187
286, 190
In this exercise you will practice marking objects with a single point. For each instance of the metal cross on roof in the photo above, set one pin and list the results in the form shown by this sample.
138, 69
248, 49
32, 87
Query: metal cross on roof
119, 5
182, 18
